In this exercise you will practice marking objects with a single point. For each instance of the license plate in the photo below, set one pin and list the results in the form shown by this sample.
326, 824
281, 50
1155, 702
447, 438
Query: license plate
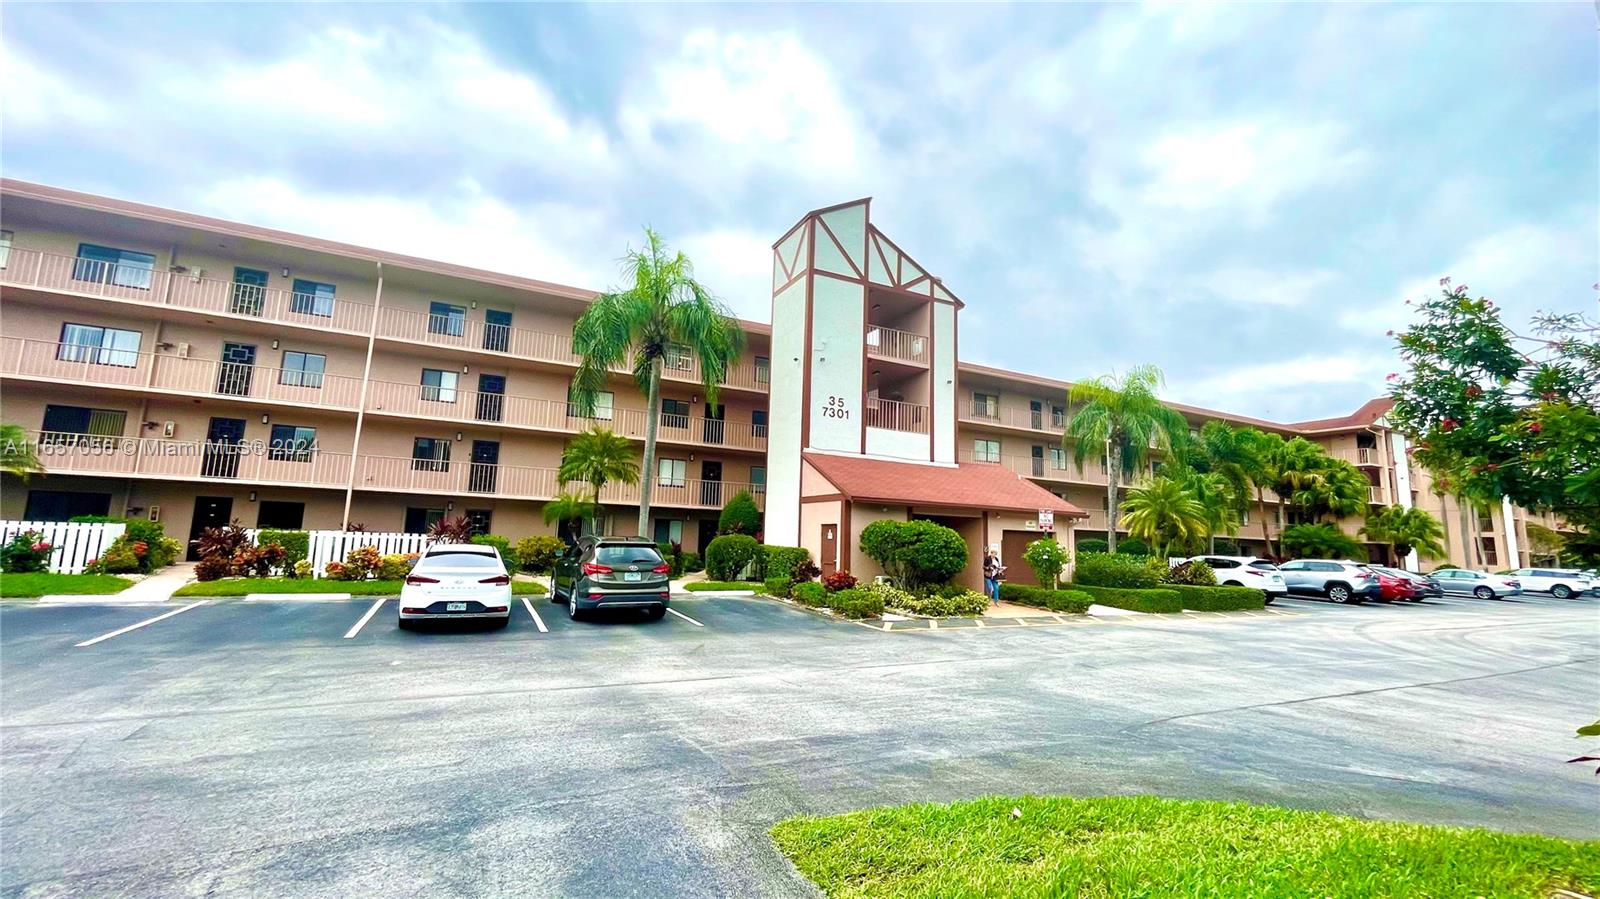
455, 607
631, 575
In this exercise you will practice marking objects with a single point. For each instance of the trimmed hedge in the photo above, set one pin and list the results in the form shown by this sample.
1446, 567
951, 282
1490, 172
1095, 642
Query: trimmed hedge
777, 586
809, 593
938, 605
781, 561
1220, 599
1161, 599
1118, 570
727, 556
718, 586
1075, 602
296, 544
855, 603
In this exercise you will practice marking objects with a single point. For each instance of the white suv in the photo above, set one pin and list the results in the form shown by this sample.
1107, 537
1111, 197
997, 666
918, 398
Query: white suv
1562, 583
1246, 571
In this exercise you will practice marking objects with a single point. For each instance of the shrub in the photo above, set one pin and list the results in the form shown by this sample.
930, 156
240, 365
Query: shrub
839, 580
503, 544
1220, 599
213, 568
692, 563
1074, 602
302, 569
1134, 600
296, 544
1047, 558
93, 519
334, 571
915, 553
451, 529
1091, 546
1193, 574
119, 558
809, 594
942, 604
854, 603
394, 566
537, 555
360, 564
161, 550
221, 541
1320, 541
740, 515
785, 561
1133, 546
27, 552
1116, 570
727, 556
776, 586
256, 561
672, 553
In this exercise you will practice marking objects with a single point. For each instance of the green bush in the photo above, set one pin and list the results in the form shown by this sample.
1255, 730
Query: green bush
892, 596
717, 586
94, 519
394, 566
1134, 600
740, 515
944, 604
915, 553
727, 556
776, 586
1074, 602
161, 550
538, 554
118, 558
1193, 574
1220, 599
854, 603
296, 543
809, 593
1132, 546
1320, 541
783, 560
503, 544
1091, 546
692, 563
26, 552
1047, 558
1117, 570
302, 569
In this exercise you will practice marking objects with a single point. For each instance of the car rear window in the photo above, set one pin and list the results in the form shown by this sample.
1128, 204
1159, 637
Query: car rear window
1263, 565
1222, 563
463, 559
626, 554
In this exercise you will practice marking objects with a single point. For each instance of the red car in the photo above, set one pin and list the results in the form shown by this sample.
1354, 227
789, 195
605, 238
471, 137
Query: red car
1391, 588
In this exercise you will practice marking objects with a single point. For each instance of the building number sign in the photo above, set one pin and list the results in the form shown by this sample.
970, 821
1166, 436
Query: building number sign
835, 408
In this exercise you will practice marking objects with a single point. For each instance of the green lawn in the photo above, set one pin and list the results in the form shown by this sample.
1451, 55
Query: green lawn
44, 583
1148, 847
244, 585
719, 586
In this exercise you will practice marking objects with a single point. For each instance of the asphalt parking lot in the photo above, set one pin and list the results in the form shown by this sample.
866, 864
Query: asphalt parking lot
265, 749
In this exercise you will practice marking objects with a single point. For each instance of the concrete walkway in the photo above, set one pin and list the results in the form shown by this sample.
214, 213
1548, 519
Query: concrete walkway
158, 587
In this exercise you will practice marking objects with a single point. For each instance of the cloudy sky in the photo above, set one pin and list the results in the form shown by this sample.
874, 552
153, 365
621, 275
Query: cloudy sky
1243, 195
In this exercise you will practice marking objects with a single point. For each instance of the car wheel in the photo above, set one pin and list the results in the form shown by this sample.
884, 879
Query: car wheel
1561, 591
1268, 600
1339, 593
656, 614
573, 611
1232, 584
1483, 592
1416, 598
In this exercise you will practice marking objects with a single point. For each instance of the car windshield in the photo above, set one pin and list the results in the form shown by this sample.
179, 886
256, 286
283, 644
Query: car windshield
627, 554
1264, 565
449, 559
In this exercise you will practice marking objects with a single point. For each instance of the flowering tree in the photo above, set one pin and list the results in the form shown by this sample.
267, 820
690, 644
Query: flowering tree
1494, 413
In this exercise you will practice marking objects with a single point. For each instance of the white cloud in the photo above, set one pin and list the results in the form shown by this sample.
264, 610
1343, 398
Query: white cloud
36, 96
1260, 287
1275, 387
737, 266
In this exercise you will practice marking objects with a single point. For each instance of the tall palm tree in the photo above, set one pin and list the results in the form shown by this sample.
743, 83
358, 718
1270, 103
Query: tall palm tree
597, 457
1296, 468
17, 456
1266, 451
662, 313
1162, 513
568, 507
1120, 420
1405, 530
1217, 500
1231, 453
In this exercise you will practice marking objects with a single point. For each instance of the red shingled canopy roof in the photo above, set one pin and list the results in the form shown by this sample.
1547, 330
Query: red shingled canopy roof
974, 485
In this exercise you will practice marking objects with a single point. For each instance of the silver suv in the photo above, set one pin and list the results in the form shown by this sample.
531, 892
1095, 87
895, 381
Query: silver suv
1342, 582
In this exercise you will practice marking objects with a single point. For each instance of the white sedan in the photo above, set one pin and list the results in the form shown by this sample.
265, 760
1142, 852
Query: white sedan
1246, 571
457, 580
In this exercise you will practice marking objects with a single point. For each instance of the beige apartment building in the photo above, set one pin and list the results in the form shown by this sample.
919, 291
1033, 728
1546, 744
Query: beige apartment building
196, 371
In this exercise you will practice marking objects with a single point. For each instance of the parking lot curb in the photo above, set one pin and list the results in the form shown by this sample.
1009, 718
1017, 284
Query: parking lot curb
295, 597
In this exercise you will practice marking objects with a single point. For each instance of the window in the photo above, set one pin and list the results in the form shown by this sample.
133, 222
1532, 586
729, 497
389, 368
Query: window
1216, 562
249, 291
312, 298
430, 454
758, 479
109, 265
1058, 416
64, 424
1490, 555
986, 450
5, 248
985, 405
675, 413
418, 519
291, 443
302, 369
280, 514
758, 423
481, 520
1058, 458
678, 358
605, 404
669, 532
64, 505
671, 472
445, 318
1292, 566
97, 345
438, 385
763, 367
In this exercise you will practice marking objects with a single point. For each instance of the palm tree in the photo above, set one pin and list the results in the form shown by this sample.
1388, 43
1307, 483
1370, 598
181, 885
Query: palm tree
1405, 530
568, 507
1296, 468
662, 313
597, 457
17, 456
1217, 500
1266, 451
1123, 419
1162, 513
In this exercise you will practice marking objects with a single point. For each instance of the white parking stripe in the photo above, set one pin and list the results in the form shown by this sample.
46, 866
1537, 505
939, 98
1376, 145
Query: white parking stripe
686, 618
147, 621
356, 628
537, 621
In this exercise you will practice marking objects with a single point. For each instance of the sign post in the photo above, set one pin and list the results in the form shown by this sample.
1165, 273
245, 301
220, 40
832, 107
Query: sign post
1047, 519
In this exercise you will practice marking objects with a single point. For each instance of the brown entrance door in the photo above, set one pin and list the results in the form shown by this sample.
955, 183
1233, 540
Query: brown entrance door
830, 549
1012, 545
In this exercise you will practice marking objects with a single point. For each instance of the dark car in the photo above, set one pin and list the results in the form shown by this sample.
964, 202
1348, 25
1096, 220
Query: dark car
612, 573
1425, 586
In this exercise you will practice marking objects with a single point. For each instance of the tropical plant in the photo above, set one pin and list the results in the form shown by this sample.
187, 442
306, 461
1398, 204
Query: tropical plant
662, 314
917, 554
1218, 504
17, 456
839, 580
1047, 558
222, 541
1162, 512
1405, 530
450, 529
1320, 541
1546, 543
1133, 546
1120, 420
26, 552
1117, 570
740, 515
567, 507
538, 554
597, 457
1190, 574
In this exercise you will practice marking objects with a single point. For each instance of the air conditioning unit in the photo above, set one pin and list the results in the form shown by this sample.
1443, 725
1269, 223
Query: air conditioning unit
183, 351
155, 513
169, 428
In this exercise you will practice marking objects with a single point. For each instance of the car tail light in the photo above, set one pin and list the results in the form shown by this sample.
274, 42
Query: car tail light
497, 579
415, 611
663, 568
593, 568
1252, 571
415, 579
494, 608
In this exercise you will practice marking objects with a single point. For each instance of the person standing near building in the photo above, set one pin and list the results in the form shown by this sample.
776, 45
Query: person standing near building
993, 574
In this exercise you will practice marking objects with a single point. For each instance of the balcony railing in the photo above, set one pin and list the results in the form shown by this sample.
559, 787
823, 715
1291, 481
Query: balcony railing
1041, 420
888, 343
72, 363
897, 416
1046, 469
71, 274
251, 461
1375, 494
524, 482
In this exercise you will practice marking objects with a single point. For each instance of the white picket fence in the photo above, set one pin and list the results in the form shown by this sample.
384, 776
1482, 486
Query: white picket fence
333, 546
76, 544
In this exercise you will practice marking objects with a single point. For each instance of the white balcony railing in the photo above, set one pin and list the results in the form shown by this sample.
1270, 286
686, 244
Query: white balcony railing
894, 415
888, 343
250, 461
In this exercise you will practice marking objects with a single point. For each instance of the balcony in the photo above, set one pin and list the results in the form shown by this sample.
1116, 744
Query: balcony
1044, 469
188, 460
392, 473
84, 277
898, 346
894, 415
62, 363
1042, 421
1375, 495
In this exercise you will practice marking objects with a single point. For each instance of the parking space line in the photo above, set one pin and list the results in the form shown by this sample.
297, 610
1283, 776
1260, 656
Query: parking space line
685, 617
356, 628
537, 621
147, 621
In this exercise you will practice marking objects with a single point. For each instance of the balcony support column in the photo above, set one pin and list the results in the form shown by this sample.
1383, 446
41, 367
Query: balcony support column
361, 402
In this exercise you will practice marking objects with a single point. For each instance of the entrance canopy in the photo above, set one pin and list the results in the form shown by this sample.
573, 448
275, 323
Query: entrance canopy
969, 485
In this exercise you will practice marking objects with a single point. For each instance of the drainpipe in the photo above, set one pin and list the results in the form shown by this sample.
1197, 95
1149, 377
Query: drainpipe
361, 402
